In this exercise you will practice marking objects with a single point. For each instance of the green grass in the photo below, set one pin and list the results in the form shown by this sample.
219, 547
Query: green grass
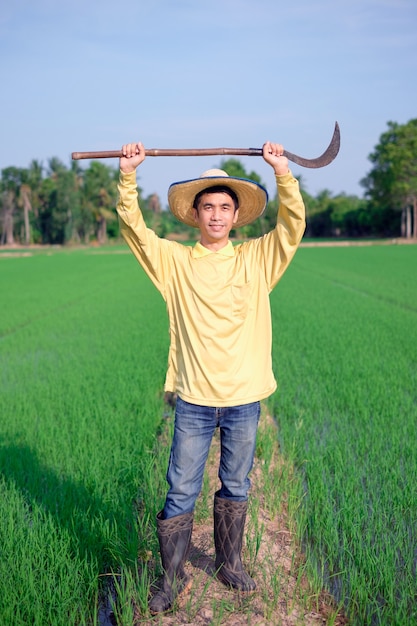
346, 357
83, 354
83, 350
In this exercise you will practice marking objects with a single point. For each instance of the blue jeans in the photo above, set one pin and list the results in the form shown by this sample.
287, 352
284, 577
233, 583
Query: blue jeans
193, 432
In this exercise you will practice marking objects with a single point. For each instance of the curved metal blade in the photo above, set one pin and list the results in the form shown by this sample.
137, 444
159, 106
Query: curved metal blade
327, 157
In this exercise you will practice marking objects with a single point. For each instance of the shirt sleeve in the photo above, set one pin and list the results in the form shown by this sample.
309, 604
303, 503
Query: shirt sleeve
152, 252
275, 250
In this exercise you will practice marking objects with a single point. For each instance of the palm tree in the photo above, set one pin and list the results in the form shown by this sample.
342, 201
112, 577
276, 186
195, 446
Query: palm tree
8, 207
25, 201
10, 187
99, 195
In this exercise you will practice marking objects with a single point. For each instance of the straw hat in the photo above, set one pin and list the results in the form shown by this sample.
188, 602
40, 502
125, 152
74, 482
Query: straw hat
252, 196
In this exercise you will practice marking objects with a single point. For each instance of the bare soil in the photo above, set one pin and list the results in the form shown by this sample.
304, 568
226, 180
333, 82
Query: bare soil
283, 596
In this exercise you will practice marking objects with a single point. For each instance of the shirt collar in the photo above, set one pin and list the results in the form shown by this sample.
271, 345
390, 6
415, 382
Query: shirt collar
199, 250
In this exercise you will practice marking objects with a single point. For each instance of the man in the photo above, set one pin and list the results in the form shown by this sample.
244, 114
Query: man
219, 364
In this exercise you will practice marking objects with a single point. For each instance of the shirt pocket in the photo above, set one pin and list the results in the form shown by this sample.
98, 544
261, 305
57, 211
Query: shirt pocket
240, 299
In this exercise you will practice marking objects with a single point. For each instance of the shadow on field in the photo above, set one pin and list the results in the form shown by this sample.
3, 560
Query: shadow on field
88, 520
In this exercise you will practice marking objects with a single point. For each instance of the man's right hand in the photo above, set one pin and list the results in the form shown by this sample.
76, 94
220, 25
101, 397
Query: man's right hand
133, 155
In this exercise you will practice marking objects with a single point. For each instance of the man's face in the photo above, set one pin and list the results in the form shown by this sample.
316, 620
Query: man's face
215, 217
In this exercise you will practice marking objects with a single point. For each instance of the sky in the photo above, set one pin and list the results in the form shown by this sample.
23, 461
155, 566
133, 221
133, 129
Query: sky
81, 76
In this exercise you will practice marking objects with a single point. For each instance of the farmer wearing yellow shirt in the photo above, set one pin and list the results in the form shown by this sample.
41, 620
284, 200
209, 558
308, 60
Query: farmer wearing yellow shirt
219, 364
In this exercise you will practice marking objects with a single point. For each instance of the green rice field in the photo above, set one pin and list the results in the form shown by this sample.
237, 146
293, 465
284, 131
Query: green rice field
83, 349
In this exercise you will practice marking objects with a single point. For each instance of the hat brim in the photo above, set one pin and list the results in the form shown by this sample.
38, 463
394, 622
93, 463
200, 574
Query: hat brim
252, 197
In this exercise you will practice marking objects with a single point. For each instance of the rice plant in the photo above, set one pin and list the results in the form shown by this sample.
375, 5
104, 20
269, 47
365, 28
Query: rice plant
345, 323
83, 352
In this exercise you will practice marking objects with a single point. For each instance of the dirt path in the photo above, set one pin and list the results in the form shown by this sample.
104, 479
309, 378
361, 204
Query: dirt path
283, 596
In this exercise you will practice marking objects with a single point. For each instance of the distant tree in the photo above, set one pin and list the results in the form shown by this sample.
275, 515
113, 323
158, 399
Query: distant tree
340, 206
392, 182
233, 167
10, 184
34, 181
340, 215
7, 210
57, 197
99, 198
25, 201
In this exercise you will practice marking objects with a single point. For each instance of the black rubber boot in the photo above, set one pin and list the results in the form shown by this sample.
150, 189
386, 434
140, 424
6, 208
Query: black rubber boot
229, 524
174, 536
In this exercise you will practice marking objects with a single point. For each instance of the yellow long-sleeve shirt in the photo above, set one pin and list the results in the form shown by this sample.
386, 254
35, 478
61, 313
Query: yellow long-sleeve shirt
217, 302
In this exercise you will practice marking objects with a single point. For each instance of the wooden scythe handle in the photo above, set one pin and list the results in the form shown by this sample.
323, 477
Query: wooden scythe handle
327, 157
157, 152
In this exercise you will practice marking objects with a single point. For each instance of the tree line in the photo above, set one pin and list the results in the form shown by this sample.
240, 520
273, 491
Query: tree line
57, 204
